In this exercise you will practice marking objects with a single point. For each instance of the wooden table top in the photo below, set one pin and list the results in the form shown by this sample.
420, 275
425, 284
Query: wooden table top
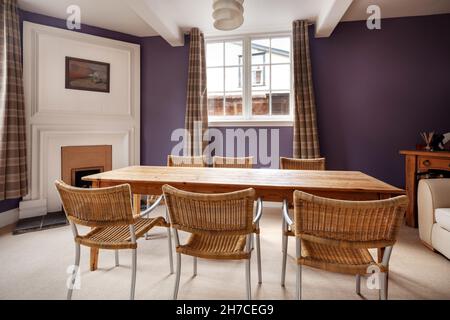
248, 178
445, 154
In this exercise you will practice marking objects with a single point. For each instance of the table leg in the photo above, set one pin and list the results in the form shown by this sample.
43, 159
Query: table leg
94, 251
94, 259
136, 204
380, 254
411, 190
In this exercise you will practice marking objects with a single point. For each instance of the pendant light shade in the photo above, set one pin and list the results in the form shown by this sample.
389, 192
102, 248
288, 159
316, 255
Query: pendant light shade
228, 14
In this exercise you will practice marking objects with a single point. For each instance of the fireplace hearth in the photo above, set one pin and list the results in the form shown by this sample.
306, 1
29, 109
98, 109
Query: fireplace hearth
76, 163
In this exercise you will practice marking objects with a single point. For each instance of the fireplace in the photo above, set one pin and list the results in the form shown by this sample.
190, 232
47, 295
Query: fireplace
78, 174
80, 161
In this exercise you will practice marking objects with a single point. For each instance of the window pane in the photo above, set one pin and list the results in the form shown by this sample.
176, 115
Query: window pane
215, 105
260, 103
215, 79
260, 77
233, 79
233, 53
280, 104
233, 104
260, 58
214, 54
281, 77
281, 50
260, 51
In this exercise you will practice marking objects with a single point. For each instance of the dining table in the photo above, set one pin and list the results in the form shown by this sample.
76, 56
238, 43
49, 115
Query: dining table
270, 184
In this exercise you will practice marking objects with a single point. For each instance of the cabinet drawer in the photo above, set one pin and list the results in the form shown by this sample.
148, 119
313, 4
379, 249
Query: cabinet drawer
426, 163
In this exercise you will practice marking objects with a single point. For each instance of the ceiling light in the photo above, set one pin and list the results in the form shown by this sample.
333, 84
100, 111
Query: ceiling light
228, 14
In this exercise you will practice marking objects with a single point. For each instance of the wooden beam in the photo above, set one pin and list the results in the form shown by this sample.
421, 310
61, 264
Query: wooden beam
158, 20
330, 16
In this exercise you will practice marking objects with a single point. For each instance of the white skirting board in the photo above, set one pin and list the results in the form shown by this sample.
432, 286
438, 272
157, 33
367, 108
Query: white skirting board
9, 217
33, 208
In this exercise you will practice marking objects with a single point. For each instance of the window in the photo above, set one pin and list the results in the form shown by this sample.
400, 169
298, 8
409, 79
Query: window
249, 79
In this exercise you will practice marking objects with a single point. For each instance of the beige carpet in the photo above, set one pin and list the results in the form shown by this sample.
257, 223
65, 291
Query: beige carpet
33, 266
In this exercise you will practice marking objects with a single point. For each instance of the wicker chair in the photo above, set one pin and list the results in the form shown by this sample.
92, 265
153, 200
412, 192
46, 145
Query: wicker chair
108, 211
302, 164
180, 161
174, 161
317, 164
335, 235
227, 162
221, 226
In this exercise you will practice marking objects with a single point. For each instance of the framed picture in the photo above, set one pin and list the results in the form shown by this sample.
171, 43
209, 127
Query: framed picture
87, 75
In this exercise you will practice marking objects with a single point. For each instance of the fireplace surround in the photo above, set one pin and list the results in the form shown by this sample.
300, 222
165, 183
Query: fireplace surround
80, 161
58, 118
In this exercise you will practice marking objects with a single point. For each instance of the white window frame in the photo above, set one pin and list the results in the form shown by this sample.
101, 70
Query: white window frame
248, 120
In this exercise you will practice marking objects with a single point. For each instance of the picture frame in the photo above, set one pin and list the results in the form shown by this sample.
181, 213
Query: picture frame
87, 75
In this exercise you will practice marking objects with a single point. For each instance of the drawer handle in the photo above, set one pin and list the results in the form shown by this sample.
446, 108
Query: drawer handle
427, 163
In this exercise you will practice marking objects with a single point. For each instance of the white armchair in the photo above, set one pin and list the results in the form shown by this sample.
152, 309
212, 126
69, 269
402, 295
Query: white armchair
433, 200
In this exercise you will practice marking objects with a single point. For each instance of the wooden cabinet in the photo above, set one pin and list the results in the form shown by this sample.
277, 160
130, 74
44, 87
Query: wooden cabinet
417, 162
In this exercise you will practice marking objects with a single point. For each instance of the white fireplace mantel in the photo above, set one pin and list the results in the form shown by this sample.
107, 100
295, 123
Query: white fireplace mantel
58, 117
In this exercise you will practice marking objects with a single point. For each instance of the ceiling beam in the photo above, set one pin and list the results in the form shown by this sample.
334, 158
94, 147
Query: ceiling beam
330, 16
151, 12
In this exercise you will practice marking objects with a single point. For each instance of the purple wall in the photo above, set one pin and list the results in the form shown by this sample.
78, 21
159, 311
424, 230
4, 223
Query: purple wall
163, 97
376, 90
9, 205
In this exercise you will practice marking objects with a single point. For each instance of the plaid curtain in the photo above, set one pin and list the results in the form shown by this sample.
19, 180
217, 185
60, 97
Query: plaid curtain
306, 137
196, 122
13, 162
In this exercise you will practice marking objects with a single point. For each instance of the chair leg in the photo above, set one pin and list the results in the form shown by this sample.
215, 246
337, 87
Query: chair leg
283, 264
299, 282
383, 286
248, 279
195, 266
133, 273
117, 257
258, 255
178, 275
299, 269
75, 271
169, 236
358, 284
283, 229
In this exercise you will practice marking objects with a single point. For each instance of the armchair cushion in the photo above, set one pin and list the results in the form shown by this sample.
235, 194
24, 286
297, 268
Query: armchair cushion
442, 216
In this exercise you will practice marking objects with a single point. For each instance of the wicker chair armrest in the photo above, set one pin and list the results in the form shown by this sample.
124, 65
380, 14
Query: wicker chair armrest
152, 207
259, 210
286, 213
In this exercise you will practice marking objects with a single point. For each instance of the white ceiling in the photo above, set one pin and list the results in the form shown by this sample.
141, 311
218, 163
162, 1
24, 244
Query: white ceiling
172, 18
260, 15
